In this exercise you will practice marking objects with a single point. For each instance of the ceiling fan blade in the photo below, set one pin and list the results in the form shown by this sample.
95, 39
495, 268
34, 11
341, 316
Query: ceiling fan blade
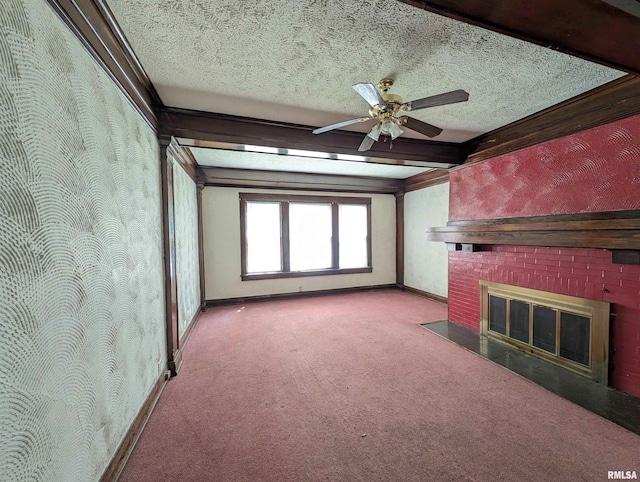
394, 130
441, 99
369, 93
375, 132
366, 144
419, 126
320, 130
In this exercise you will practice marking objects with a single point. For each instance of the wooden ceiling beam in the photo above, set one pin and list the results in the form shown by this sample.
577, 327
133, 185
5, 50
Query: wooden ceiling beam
608, 103
590, 29
207, 126
251, 178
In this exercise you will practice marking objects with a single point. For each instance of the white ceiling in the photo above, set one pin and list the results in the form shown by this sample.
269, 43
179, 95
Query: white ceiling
275, 162
296, 61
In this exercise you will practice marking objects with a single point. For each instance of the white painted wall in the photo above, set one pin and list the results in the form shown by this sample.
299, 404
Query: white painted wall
221, 225
425, 263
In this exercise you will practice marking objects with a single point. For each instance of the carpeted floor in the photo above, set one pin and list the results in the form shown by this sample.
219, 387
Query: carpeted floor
352, 388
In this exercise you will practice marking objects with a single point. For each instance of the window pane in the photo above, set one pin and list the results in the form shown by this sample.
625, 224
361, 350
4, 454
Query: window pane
309, 236
263, 237
353, 236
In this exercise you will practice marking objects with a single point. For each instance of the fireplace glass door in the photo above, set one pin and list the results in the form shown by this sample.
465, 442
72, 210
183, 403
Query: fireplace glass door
556, 327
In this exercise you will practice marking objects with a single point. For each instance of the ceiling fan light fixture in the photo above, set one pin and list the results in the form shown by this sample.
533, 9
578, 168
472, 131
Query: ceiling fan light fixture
394, 130
375, 132
384, 107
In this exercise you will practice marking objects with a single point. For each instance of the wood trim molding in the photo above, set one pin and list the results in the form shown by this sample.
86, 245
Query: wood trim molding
333, 202
608, 103
95, 26
199, 188
590, 30
298, 294
258, 196
187, 332
426, 179
169, 248
426, 294
119, 459
207, 126
246, 178
184, 157
400, 239
611, 230
305, 274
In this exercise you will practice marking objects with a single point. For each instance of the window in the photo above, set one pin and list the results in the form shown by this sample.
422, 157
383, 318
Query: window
288, 236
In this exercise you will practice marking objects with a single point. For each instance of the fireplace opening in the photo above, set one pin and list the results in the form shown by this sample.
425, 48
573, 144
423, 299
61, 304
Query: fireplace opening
569, 331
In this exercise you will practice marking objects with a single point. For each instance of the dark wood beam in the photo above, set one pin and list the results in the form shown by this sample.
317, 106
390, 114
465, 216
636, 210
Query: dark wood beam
608, 103
589, 29
95, 26
174, 355
226, 177
206, 126
400, 240
612, 230
426, 179
184, 157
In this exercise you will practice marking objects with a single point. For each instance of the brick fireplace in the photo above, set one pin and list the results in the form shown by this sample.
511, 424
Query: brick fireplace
594, 171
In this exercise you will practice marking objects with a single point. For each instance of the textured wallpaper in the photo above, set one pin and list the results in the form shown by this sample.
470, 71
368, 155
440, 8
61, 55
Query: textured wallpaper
81, 279
187, 257
592, 171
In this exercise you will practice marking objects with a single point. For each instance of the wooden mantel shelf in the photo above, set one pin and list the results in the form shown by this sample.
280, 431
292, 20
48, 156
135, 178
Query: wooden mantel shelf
615, 230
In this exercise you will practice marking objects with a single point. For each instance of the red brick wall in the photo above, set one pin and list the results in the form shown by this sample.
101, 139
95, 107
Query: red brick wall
596, 170
586, 273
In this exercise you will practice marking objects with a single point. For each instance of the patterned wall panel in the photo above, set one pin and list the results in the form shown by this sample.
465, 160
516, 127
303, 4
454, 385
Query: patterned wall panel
187, 257
81, 279
595, 170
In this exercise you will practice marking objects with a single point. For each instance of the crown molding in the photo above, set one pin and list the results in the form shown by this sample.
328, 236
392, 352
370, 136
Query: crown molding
610, 102
426, 179
95, 26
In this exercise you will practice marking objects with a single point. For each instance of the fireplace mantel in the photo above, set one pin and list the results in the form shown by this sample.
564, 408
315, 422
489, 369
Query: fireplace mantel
614, 230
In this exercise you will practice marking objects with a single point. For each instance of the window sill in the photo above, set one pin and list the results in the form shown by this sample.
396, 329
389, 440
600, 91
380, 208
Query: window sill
300, 274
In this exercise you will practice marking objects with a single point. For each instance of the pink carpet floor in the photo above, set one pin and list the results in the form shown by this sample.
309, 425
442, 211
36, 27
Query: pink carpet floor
352, 388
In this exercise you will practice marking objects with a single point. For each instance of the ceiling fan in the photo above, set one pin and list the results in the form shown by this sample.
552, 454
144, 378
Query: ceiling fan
385, 108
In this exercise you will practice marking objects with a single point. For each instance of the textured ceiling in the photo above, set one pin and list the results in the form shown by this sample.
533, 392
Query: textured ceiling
275, 162
296, 61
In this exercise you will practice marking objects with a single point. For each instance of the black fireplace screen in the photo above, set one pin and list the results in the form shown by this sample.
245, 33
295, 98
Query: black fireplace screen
557, 332
569, 331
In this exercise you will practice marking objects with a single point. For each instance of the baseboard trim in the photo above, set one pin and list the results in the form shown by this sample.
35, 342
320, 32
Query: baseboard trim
120, 458
426, 294
184, 339
298, 294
